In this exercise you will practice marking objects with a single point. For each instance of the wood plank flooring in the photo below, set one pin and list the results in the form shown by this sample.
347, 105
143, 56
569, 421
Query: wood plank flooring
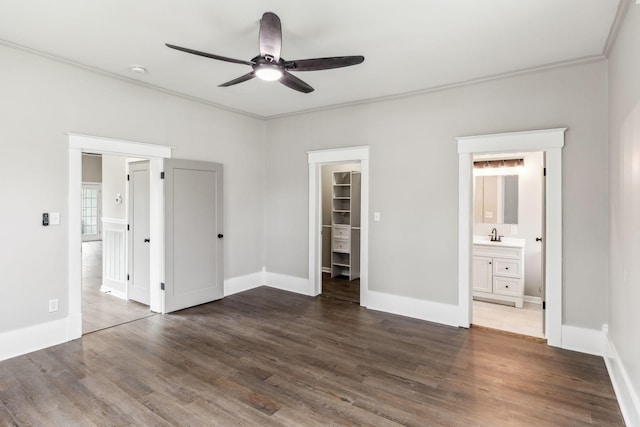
101, 310
341, 288
267, 357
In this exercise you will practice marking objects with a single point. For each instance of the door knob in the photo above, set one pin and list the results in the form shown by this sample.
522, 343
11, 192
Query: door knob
538, 239
220, 236
147, 240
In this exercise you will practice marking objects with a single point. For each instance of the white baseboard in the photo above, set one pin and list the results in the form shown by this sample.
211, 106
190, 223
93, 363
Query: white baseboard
590, 341
628, 397
36, 337
326, 269
111, 291
243, 283
532, 300
447, 314
298, 285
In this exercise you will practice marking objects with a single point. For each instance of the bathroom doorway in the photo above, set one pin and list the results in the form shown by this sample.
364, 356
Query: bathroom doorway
508, 246
340, 205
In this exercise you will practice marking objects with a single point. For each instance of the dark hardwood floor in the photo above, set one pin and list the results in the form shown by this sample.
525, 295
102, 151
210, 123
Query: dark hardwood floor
268, 357
101, 310
341, 288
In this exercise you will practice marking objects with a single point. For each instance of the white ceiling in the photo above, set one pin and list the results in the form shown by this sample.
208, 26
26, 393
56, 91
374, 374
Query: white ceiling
409, 45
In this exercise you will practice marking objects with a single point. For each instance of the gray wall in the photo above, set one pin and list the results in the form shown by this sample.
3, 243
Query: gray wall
91, 168
41, 101
414, 180
624, 224
114, 181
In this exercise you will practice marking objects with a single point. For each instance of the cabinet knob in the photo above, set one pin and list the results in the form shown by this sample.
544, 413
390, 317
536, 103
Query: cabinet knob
489, 262
506, 286
506, 268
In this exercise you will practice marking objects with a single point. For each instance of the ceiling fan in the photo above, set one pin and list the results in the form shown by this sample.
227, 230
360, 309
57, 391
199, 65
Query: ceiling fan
270, 66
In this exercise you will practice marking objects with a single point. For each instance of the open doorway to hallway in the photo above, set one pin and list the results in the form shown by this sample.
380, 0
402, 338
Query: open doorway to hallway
105, 299
341, 188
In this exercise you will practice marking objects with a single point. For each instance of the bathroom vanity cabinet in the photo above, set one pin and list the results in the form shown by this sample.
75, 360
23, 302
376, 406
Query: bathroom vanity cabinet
498, 270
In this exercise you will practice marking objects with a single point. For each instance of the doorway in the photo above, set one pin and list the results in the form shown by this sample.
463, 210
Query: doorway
82, 143
341, 191
316, 160
105, 295
550, 141
507, 276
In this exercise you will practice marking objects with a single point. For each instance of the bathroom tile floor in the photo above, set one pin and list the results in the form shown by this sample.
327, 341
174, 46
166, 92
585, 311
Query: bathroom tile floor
525, 321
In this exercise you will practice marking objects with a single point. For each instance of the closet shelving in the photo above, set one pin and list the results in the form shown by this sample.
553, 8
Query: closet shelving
345, 225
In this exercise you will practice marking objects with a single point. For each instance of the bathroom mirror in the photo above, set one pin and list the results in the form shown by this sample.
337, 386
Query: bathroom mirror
495, 199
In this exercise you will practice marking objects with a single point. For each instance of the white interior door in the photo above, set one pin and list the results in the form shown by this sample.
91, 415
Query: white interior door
193, 233
139, 255
91, 211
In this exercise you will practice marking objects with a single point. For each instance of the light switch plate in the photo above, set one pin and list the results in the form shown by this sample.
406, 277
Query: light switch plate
54, 218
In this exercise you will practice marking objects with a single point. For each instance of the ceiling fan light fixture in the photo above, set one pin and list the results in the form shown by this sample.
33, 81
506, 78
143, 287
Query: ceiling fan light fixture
268, 73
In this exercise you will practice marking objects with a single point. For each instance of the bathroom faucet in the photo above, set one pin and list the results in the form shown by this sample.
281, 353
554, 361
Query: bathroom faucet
494, 236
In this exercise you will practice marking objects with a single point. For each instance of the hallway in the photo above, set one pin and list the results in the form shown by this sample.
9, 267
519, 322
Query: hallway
99, 309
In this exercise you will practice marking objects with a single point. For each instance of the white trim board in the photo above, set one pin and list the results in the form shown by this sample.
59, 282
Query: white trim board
551, 142
331, 156
430, 311
113, 292
628, 397
243, 283
590, 341
33, 338
298, 285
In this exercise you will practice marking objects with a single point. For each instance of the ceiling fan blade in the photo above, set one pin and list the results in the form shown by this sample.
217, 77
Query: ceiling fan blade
291, 81
208, 55
240, 79
317, 64
270, 36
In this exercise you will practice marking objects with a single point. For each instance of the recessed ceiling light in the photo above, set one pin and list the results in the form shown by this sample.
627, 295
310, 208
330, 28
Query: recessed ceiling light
138, 69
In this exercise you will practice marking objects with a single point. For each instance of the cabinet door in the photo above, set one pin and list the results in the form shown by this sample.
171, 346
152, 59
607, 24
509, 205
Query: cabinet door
482, 274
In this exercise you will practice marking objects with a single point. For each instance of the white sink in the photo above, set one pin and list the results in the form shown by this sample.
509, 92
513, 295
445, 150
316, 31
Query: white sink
506, 241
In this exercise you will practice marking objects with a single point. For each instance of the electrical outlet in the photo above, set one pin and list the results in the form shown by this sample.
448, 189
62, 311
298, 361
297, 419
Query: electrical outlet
376, 216
514, 229
53, 305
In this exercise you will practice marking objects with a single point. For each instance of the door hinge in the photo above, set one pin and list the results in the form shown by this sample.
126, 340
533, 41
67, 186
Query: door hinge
128, 177
127, 277
544, 305
162, 286
544, 171
128, 227
161, 175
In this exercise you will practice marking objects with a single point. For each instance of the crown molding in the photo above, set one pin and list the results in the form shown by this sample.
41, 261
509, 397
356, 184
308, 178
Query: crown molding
524, 71
621, 13
499, 76
126, 79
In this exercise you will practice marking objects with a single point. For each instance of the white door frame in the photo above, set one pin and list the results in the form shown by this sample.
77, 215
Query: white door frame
551, 142
316, 160
93, 144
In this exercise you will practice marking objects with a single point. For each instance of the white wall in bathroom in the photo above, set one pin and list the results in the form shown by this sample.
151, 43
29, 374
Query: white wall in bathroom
529, 221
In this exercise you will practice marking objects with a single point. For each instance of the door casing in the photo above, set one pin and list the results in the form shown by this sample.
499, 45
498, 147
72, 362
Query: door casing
316, 159
155, 154
550, 141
